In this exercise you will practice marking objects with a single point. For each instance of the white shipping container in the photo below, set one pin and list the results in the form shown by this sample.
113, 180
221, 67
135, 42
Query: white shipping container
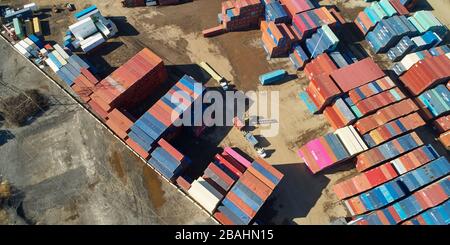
31, 43
83, 28
32, 6
409, 60
399, 166
93, 42
25, 46
103, 29
362, 144
203, 196
44, 52
350, 143
52, 65
22, 50
345, 140
61, 51
419, 41
59, 57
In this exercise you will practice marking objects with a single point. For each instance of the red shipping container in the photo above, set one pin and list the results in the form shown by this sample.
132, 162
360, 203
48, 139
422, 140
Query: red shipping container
97, 109
83, 92
233, 161
91, 78
445, 139
138, 149
221, 174
183, 183
228, 165
171, 150
267, 166
357, 74
241, 204
116, 129
442, 124
224, 220
256, 185
122, 121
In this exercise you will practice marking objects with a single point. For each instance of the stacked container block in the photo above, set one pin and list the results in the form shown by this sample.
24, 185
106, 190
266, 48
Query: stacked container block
306, 23
377, 102
387, 151
385, 172
386, 115
426, 73
425, 21
371, 15
130, 84
277, 39
241, 14
435, 102
388, 32
274, 12
167, 160
331, 149
439, 215
159, 119
248, 194
393, 129
324, 40
370, 89
399, 187
298, 57
339, 114
424, 199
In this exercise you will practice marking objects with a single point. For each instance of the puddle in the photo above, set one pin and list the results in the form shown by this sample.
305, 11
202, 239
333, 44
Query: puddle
153, 184
116, 162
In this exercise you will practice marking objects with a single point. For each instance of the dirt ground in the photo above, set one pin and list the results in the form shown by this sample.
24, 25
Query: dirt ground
174, 33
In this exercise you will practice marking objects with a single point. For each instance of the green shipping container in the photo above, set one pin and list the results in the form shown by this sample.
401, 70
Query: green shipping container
18, 28
387, 7
375, 6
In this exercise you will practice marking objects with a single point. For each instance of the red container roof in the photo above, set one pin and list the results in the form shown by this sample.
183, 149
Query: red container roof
357, 74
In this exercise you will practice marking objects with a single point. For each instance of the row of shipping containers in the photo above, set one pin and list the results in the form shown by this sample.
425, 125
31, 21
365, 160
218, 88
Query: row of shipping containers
385, 172
429, 197
385, 115
411, 59
246, 197
393, 129
397, 188
426, 73
331, 149
438, 215
371, 15
387, 151
27, 27
233, 188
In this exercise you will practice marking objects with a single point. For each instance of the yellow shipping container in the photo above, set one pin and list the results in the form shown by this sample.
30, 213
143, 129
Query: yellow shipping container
37, 26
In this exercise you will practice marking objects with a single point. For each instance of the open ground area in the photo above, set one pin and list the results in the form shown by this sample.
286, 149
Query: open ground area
69, 169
